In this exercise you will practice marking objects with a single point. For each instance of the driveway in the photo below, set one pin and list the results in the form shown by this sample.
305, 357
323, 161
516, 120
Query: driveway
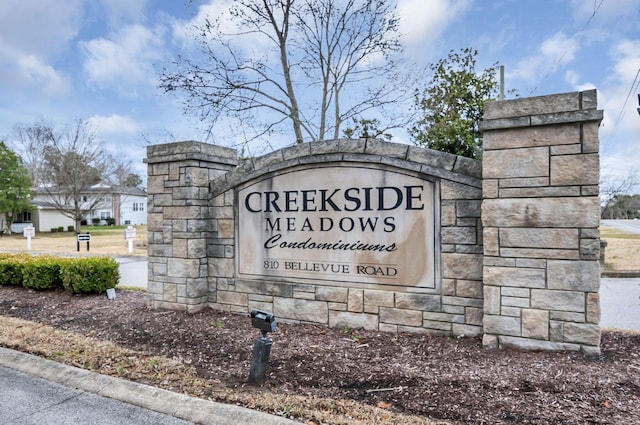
133, 271
632, 226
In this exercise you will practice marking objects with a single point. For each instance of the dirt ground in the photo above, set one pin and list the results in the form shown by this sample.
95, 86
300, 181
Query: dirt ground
327, 376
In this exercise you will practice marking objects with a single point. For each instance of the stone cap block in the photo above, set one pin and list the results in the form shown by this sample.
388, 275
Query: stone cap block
187, 150
541, 110
371, 151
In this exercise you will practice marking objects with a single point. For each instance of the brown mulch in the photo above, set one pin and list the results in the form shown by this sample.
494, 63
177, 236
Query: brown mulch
431, 377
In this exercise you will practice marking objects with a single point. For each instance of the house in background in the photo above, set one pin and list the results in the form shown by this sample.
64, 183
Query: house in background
126, 206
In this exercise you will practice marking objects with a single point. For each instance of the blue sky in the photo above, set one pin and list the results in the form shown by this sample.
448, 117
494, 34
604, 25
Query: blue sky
99, 60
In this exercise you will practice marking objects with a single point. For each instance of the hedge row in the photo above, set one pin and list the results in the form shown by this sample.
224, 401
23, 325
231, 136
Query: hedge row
87, 275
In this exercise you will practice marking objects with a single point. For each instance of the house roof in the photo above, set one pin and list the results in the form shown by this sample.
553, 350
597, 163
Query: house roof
99, 188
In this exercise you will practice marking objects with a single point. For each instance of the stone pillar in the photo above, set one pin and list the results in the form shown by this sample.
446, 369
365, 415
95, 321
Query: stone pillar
178, 225
540, 214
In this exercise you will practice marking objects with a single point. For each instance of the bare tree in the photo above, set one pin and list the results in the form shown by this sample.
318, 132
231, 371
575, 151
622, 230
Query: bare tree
31, 140
316, 64
612, 188
122, 175
69, 163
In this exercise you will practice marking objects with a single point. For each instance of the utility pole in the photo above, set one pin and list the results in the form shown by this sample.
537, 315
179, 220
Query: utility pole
502, 85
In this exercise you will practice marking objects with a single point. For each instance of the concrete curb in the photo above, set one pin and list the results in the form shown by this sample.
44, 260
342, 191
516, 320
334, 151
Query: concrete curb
191, 409
622, 274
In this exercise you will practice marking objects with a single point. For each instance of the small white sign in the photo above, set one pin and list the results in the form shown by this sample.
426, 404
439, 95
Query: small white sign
111, 294
29, 232
130, 233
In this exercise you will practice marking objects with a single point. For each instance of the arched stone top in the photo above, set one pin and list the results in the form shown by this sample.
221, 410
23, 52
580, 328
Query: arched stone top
423, 161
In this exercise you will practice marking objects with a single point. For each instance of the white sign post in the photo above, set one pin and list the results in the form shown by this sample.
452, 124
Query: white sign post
130, 235
29, 232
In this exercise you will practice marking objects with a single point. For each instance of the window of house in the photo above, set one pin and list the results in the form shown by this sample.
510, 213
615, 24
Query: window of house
26, 217
138, 206
105, 214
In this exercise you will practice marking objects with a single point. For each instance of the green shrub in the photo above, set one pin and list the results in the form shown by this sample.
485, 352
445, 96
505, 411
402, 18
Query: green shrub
70, 228
95, 221
11, 268
42, 273
86, 275
91, 275
110, 221
60, 228
54, 229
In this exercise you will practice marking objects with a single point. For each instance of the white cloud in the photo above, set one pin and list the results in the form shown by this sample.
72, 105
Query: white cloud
114, 124
553, 53
39, 27
124, 61
422, 23
622, 86
572, 77
50, 81
619, 135
184, 32
123, 11
605, 12
31, 32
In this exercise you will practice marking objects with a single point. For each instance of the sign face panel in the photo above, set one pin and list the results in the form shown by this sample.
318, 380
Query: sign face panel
83, 237
29, 232
342, 225
130, 233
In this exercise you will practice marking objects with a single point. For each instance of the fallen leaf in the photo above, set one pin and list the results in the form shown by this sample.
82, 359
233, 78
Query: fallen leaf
384, 405
606, 403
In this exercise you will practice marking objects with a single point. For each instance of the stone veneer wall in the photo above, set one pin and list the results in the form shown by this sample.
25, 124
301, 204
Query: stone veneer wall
541, 213
178, 225
519, 240
456, 310
192, 239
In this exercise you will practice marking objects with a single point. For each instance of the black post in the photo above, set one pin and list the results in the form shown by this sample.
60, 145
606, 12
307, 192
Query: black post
260, 361
266, 322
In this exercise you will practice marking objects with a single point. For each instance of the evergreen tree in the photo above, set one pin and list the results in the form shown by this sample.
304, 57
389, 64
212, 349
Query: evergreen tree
15, 186
452, 105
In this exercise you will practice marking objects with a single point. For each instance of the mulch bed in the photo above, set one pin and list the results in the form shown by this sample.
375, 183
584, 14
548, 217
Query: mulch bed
436, 377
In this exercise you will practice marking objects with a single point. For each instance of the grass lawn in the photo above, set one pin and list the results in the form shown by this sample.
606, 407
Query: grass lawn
622, 251
105, 240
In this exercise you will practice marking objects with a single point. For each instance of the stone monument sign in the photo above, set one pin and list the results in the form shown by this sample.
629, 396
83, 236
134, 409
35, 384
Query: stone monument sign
393, 237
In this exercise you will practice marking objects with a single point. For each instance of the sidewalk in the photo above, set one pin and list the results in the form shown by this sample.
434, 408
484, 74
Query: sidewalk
36, 391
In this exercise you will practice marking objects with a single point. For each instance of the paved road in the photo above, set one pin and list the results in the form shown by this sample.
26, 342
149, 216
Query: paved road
36, 391
632, 226
620, 303
133, 271
28, 400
